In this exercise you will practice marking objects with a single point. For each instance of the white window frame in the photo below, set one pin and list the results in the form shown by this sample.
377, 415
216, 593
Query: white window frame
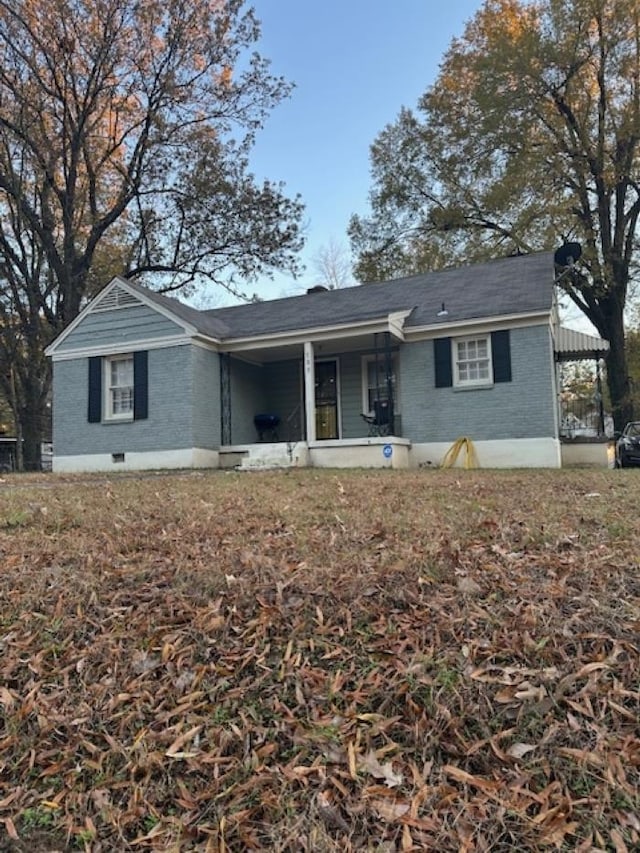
108, 401
370, 359
479, 381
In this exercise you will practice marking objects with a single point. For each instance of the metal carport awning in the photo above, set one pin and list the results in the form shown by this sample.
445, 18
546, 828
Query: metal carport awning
571, 345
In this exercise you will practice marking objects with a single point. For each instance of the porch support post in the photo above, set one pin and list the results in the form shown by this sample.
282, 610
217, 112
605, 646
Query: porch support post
388, 369
225, 398
310, 391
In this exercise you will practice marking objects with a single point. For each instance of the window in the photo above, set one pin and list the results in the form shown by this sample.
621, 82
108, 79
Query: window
472, 361
374, 382
119, 387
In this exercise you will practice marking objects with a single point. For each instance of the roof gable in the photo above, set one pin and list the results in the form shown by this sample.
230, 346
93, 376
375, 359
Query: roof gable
115, 296
121, 294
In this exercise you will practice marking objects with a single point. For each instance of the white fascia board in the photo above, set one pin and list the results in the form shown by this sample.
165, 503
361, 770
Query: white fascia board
314, 335
122, 346
117, 281
477, 325
53, 346
396, 323
207, 343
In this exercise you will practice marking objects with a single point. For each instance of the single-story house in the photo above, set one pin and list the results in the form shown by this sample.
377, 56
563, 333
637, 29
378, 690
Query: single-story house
381, 375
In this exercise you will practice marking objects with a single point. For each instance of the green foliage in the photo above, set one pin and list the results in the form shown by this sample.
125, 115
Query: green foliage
36, 818
528, 137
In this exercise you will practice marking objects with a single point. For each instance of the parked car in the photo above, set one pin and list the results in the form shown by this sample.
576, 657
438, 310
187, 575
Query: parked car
628, 446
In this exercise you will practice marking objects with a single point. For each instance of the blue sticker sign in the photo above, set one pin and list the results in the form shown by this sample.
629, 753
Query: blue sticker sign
387, 450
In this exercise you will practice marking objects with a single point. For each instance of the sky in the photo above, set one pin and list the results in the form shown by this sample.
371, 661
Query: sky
354, 64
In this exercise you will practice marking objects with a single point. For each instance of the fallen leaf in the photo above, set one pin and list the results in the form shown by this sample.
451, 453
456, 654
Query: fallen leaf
519, 750
468, 586
11, 829
371, 765
6, 699
390, 810
618, 841
181, 740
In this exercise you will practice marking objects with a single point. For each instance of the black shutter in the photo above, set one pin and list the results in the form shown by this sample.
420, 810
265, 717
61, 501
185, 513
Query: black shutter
501, 356
95, 389
442, 360
140, 386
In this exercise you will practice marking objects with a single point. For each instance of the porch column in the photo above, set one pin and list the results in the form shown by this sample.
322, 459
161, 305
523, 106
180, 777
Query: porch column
225, 398
310, 391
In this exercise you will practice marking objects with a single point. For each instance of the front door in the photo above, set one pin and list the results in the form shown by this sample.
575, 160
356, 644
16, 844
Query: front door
326, 399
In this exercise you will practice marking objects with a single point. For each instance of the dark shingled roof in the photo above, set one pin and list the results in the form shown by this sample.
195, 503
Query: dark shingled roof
203, 321
517, 285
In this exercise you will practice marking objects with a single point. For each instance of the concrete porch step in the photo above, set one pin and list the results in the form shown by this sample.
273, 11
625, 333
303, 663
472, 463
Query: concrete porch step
267, 455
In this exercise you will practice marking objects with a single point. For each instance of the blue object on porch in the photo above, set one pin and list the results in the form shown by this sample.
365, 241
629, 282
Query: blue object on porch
267, 426
380, 419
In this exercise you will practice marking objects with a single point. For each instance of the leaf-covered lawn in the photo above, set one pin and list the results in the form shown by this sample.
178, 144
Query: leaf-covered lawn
321, 661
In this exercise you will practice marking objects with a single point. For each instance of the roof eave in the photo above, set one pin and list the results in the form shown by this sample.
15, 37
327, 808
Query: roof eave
392, 323
448, 327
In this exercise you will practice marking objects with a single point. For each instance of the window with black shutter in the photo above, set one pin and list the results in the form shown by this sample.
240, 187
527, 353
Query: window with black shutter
501, 356
140, 385
472, 361
95, 389
442, 360
118, 387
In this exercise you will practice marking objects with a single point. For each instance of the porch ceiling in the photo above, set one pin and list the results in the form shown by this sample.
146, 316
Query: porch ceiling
571, 345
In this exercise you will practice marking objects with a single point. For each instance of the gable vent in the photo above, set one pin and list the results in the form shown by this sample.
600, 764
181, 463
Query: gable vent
118, 297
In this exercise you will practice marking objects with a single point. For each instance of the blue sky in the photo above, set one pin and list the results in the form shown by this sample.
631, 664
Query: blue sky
354, 64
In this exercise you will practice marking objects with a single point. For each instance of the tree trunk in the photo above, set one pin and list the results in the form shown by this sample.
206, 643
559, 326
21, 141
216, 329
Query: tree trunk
32, 440
608, 318
618, 378
15, 410
33, 414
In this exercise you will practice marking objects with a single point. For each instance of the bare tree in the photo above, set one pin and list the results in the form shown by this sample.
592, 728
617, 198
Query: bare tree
332, 265
124, 137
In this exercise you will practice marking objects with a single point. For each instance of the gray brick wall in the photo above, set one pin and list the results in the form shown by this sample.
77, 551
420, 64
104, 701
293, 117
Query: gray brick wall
522, 408
121, 326
206, 398
184, 400
168, 427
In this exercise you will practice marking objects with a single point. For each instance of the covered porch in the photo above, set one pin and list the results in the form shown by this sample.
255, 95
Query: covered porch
326, 401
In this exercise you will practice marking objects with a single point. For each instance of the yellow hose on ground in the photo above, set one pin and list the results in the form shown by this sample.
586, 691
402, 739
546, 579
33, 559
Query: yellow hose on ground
451, 456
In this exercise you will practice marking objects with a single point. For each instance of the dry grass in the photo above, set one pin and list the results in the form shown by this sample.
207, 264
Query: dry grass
321, 661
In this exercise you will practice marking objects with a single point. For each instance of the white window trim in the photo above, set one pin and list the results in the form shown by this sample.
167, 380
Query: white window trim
365, 362
471, 383
108, 414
